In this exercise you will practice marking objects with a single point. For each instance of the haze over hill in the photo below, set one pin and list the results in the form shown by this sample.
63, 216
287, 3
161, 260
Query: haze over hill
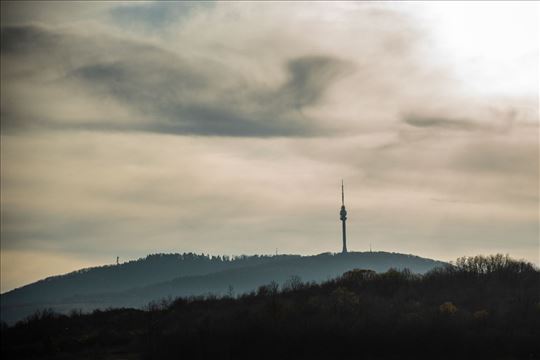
136, 283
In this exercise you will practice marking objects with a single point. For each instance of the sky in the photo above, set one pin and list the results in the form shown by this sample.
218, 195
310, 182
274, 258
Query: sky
226, 128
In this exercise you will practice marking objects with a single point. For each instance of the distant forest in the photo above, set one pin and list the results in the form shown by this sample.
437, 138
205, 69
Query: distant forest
480, 307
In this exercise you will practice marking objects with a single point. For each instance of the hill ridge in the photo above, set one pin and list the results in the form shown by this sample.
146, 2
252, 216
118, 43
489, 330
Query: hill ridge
159, 276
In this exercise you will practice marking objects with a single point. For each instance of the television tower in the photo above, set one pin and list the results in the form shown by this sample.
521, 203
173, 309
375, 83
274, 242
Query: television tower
343, 217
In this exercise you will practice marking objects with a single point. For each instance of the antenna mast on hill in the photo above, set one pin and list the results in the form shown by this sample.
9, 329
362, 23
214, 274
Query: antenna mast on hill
343, 218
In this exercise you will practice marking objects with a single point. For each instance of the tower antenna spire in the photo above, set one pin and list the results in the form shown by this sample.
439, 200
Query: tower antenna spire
342, 194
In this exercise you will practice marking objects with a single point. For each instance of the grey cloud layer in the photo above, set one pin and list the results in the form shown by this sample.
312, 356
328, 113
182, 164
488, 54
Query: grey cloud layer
452, 124
170, 93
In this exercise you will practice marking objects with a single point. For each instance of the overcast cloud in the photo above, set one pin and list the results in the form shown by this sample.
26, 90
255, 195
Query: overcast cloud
226, 128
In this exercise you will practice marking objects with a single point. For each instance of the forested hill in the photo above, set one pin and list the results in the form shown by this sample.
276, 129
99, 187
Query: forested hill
479, 308
136, 283
152, 269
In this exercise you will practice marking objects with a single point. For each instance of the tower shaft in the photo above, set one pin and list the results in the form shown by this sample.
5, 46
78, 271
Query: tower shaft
344, 231
343, 218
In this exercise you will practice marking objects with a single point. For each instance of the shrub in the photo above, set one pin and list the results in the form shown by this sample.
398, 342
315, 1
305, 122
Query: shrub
448, 308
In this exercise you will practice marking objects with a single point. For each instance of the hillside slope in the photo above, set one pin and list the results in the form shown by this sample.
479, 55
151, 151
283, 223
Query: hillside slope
145, 271
170, 276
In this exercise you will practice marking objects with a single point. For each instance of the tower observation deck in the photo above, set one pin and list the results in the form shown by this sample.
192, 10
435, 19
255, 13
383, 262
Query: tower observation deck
343, 218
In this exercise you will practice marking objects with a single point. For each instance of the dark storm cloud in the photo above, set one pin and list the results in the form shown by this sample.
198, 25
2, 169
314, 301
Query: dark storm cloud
309, 77
155, 15
431, 122
25, 40
54, 12
176, 93
497, 123
172, 94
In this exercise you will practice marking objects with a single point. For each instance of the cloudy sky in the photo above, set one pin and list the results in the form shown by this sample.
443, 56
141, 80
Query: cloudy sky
226, 128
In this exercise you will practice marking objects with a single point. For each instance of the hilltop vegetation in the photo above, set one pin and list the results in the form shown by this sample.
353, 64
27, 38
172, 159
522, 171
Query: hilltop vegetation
136, 283
481, 307
151, 269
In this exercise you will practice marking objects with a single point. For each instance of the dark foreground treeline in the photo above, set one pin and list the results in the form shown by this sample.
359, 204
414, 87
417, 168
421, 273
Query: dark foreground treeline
481, 307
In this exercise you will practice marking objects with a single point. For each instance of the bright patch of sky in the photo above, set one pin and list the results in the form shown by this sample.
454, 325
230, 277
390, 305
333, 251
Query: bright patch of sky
493, 47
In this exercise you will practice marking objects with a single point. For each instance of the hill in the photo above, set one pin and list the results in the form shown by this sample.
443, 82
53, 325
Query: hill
483, 307
136, 283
